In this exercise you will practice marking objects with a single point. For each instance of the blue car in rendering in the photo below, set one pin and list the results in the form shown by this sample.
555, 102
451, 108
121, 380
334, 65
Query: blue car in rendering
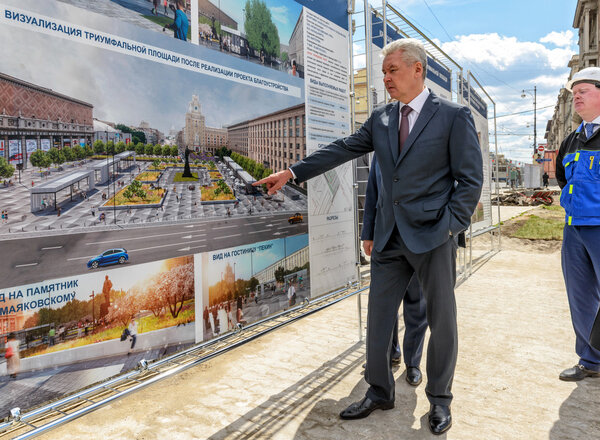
111, 256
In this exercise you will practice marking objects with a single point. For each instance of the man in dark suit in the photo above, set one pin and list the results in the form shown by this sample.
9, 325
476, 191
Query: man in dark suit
415, 317
431, 179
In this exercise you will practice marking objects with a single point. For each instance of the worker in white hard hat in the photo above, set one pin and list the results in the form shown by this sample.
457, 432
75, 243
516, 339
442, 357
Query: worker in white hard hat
578, 175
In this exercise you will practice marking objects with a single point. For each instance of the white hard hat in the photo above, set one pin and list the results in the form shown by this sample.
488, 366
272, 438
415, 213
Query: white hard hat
588, 75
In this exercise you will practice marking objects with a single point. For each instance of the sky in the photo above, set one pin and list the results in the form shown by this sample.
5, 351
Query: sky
274, 251
126, 89
509, 46
284, 15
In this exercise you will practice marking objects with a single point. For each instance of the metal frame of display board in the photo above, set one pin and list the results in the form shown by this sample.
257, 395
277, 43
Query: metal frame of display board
390, 16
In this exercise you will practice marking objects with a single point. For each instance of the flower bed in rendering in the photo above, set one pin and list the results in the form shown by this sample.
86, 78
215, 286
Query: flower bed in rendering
148, 176
218, 191
179, 178
215, 175
137, 195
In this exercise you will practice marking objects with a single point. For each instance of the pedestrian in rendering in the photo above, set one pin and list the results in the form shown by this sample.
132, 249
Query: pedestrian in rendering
545, 179
166, 4
51, 335
423, 205
13, 359
180, 24
291, 295
93, 212
133, 331
155, 7
415, 316
578, 175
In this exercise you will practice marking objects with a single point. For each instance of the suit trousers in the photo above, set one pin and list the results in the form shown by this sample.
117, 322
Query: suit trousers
415, 325
391, 273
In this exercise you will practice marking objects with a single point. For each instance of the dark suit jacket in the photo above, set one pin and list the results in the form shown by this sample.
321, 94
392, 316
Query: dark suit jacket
417, 194
368, 228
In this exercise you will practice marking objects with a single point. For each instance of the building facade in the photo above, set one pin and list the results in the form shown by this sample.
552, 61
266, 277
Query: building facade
237, 138
278, 140
196, 135
34, 117
565, 119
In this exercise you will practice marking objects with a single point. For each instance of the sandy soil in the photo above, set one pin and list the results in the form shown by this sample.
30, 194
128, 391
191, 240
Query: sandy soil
515, 336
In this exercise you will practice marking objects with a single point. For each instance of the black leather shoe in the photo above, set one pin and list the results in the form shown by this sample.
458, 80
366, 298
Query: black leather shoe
413, 376
360, 410
578, 372
440, 419
396, 359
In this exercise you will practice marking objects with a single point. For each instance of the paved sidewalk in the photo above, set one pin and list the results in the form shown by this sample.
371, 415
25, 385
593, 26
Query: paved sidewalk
515, 337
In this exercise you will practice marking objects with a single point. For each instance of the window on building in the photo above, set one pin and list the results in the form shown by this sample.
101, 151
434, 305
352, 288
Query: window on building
297, 157
297, 131
297, 120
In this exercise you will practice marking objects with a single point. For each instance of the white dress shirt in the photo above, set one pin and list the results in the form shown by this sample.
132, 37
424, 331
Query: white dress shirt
417, 105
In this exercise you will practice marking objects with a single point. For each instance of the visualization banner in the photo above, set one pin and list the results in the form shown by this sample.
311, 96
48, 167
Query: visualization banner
438, 78
102, 316
482, 217
244, 284
109, 211
31, 146
45, 144
14, 151
331, 202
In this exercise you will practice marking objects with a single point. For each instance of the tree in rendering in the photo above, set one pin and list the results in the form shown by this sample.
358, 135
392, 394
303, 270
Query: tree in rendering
40, 159
56, 156
6, 170
261, 32
99, 147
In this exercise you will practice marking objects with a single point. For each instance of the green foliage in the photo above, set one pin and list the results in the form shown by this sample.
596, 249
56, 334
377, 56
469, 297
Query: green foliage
89, 151
253, 283
156, 163
178, 178
149, 149
261, 32
284, 57
56, 156
6, 170
279, 274
99, 147
110, 148
68, 153
39, 158
223, 151
78, 152
128, 194
174, 151
140, 148
136, 190
537, 228
120, 147
157, 151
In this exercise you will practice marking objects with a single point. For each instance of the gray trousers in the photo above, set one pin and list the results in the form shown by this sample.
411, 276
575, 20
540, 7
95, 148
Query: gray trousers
391, 272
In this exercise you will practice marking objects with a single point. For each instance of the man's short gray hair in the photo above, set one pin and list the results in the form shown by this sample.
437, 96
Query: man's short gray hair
413, 51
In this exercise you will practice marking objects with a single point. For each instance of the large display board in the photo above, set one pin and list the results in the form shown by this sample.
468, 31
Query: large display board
112, 254
482, 217
438, 78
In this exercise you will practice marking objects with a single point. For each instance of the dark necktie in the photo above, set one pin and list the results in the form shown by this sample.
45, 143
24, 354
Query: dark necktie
405, 110
589, 129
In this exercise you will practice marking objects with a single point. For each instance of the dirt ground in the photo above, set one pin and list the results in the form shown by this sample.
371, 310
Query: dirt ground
515, 336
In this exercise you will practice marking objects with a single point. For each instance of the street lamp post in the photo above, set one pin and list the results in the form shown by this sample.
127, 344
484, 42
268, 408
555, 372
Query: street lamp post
523, 95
